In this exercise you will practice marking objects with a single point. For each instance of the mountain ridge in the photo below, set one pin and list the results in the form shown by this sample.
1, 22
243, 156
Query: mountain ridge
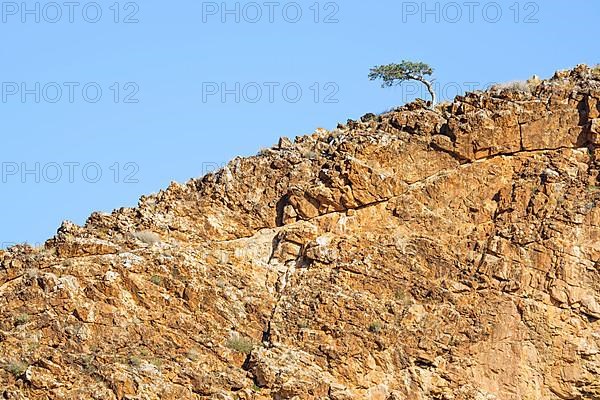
417, 254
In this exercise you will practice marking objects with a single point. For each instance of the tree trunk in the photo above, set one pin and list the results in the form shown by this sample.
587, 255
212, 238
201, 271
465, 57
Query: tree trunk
431, 92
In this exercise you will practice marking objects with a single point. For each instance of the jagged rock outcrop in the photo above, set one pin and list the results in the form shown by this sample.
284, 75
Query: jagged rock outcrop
447, 254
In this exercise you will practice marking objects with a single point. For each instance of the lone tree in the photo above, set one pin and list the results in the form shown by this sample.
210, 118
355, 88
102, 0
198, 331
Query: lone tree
395, 74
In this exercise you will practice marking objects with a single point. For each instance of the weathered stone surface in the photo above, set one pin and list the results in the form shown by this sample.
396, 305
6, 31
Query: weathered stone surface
447, 254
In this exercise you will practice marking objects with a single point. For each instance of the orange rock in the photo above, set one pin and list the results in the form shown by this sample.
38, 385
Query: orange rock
411, 255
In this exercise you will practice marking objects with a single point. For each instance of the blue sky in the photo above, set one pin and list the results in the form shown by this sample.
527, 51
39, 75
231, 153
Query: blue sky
136, 93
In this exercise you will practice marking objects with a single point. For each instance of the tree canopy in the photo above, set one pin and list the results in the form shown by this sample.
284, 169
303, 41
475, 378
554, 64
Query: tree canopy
395, 74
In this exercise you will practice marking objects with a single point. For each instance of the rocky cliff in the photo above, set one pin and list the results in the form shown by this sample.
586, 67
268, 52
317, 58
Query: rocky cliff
419, 254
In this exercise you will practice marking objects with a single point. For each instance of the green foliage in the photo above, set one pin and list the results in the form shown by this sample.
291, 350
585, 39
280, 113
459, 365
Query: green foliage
393, 74
157, 280
399, 295
157, 362
21, 319
403, 297
17, 368
375, 327
135, 361
87, 363
240, 344
593, 188
303, 324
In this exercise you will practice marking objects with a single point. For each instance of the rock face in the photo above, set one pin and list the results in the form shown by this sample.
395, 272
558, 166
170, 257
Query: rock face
449, 254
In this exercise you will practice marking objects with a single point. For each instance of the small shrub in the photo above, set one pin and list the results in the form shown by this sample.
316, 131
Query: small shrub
32, 347
192, 355
596, 70
21, 319
17, 368
157, 362
176, 274
157, 280
87, 363
303, 325
593, 188
135, 361
399, 295
147, 237
375, 327
403, 297
309, 154
240, 344
514, 86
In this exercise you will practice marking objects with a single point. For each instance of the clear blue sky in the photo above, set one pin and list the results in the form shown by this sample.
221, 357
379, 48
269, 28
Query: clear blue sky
174, 59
